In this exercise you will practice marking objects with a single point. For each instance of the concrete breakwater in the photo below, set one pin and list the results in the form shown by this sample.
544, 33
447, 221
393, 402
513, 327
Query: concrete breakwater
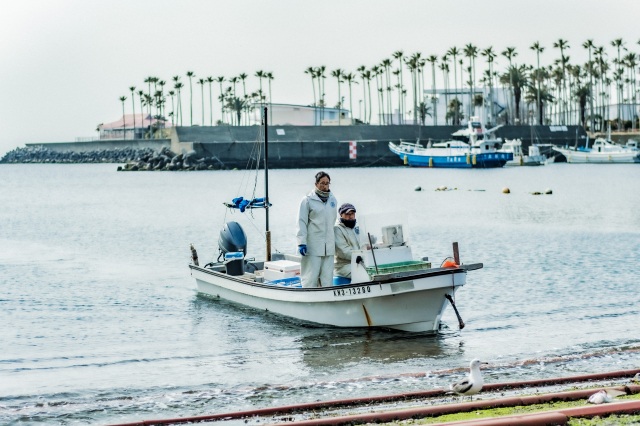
229, 147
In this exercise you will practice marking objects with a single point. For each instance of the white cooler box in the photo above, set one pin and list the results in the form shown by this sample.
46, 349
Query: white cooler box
279, 269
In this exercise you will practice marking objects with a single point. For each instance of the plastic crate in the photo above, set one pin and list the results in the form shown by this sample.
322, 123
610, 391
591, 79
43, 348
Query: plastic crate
392, 268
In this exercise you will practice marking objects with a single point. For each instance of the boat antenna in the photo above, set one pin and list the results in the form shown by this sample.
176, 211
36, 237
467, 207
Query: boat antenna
266, 185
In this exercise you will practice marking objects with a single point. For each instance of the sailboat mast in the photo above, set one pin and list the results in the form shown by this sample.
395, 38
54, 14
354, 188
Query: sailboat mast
266, 185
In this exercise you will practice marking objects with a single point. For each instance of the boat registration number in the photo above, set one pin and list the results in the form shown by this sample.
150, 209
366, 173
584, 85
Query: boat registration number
352, 290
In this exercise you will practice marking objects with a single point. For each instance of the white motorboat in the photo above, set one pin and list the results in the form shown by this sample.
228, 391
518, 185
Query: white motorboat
602, 151
514, 146
388, 289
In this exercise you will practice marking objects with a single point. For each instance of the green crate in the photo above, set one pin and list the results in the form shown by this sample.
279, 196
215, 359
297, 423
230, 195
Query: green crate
392, 268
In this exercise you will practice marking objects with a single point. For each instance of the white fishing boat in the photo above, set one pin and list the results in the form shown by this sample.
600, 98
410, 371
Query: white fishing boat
514, 146
481, 150
602, 151
389, 288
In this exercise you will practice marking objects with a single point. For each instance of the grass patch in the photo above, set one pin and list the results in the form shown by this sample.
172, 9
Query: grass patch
528, 409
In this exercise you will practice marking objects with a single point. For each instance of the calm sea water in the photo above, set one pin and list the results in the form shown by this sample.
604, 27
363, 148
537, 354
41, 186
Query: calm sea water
101, 322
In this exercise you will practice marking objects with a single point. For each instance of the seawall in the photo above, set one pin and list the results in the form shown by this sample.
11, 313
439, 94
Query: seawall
289, 146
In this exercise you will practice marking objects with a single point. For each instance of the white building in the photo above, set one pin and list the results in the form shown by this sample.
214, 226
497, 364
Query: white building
302, 115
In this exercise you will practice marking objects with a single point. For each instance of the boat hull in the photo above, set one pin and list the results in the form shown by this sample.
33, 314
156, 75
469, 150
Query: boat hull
451, 159
575, 156
407, 302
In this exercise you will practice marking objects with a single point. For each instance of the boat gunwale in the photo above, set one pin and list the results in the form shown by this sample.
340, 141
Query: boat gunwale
377, 280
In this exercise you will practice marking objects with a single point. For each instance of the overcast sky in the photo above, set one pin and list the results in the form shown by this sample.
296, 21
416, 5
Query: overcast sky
65, 63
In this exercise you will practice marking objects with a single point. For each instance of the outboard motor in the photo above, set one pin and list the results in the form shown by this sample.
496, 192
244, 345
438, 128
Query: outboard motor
232, 239
233, 246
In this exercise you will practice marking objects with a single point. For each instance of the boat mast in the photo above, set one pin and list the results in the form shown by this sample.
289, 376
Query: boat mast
266, 186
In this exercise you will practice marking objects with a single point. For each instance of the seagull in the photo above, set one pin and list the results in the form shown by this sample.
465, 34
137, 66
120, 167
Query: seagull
472, 384
636, 378
605, 395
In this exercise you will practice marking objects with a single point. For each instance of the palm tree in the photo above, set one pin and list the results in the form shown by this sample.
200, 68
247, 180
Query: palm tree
444, 67
490, 55
243, 77
412, 64
339, 75
562, 45
312, 73
454, 52
141, 97
260, 74
454, 111
133, 106
510, 53
471, 52
538, 49
173, 106
433, 59
178, 86
236, 105
368, 76
221, 80
386, 64
581, 94
589, 46
321, 77
269, 77
517, 75
210, 81
201, 82
376, 70
124, 120
618, 44
536, 93
191, 74
423, 111
401, 104
149, 80
350, 78
631, 61
176, 81
362, 70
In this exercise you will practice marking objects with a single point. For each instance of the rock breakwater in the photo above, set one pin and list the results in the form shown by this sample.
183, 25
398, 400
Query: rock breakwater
142, 159
169, 161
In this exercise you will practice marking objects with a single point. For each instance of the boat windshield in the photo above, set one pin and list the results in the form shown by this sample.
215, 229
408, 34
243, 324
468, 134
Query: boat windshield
385, 229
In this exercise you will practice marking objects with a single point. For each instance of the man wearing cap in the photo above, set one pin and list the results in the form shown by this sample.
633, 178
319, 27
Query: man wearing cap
346, 235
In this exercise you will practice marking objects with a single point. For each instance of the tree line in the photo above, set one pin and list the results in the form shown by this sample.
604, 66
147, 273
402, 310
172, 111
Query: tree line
404, 89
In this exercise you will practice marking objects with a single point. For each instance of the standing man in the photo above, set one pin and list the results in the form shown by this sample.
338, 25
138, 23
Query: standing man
346, 235
316, 243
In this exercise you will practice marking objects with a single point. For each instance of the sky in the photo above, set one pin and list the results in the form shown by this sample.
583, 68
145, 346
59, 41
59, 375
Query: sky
64, 64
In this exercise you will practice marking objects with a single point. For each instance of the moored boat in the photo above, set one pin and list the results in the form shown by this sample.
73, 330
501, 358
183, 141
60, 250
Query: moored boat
514, 146
389, 288
481, 151
602, 151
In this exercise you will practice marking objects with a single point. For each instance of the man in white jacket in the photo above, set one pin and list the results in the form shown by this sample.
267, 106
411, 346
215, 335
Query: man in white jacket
346, 234
316, 243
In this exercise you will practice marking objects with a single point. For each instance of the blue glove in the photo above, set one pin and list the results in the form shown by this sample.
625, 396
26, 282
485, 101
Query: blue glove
302, 249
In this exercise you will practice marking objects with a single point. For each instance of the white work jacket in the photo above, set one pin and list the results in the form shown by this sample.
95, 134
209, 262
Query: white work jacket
346, 241
315, 224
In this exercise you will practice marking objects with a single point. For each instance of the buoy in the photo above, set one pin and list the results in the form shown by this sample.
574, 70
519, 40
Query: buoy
449, 263
548, 191
506, 190
418, 188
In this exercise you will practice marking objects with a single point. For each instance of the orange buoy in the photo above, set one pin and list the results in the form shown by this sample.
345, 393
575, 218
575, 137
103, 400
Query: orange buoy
449, 263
